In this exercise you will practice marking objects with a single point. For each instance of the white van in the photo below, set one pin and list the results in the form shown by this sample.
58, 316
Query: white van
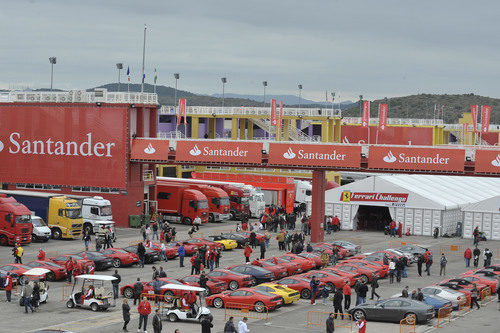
41, 232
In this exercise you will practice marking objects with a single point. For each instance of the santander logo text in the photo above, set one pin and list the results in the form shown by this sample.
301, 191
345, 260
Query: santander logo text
149, 149
495, 162
389, 158
222, 152
289, 154
436, 159
304, 155
195, 151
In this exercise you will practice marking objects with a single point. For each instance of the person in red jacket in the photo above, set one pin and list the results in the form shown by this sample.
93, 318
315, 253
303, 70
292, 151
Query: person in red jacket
400, 229
247, 252
69, 269
41, 254
467, 257
392, 228
361, 325
244, 226
336, 224
144, 310
346, 290
8, 286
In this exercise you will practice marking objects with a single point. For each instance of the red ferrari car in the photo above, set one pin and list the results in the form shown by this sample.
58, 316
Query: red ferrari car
461, 283
313, 256
199, 242
190, 249
128, 289
301, 284
341, 271
57, 272
233, 280
245, 298
278, 270
214, 286
292, 267
366, 273
382, 270
341, 252
305, 263
330, 279
170, 249
259, 237
83, 264
17, 269
121, 257
481, 279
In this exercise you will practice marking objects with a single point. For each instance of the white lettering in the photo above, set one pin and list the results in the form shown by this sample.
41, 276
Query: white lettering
109, 145
26, 147
35, 145
225, 152
334, 156
423, 159
68, 148
15, 143
87, 143
49, 141
59, 148
98, 145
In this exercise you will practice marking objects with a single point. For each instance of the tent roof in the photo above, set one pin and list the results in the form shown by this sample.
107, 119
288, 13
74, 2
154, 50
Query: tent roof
447, 192
490, 205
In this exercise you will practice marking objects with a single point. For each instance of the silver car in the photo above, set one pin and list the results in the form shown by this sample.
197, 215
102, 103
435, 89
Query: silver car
352, 248
449, 294
393, 310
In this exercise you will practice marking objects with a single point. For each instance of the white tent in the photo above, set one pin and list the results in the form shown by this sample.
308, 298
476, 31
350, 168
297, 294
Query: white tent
430, 201
484, 214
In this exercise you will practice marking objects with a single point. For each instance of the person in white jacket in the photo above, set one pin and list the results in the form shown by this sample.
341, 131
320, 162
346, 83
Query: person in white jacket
242, 326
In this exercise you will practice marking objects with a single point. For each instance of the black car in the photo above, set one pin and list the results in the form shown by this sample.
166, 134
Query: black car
241, 240
101, 262
260, 274
150, 257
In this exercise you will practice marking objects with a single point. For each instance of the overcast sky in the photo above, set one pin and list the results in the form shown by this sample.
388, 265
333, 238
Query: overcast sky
374, 48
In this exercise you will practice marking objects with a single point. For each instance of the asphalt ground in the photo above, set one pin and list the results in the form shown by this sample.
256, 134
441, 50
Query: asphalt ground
292, 318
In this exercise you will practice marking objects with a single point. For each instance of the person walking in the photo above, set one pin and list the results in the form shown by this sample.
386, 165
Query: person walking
392, 270
35, 301
347, 296
229, 326
86, 240
474, 296
144, 310
26, 294
141, 252
467, 257
203, 280
314, 289
337, 302
362, 291
487, 257
182, 253
116, 284
420, 261
7, 285
325, 293
442, 264
69, 269
281, 240
330, 325
247, 252
400, 265
262, 250
157, 290
242, 326
374, 285
155, 231
361, 324
157, 325
476, 253
163, 251
138, 289
428, 261
206, 325
404, 293
125, 314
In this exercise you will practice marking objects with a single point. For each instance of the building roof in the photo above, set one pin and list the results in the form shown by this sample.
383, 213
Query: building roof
490, 205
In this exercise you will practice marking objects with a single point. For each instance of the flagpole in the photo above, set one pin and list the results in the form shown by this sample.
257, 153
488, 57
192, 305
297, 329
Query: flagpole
376, 137
143, 57
154, 87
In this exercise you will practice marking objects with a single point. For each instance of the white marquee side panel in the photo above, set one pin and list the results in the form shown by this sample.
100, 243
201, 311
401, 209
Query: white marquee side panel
408, 222
468, 223
417, 222
427, 223
486, 227
436, 220
329, 209
495, 227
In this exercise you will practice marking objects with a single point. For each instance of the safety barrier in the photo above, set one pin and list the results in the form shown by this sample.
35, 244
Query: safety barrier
66, 292
408, 324
457, 250
485, 295
245, 310
443, 314
318, 318
160, 300
464, 306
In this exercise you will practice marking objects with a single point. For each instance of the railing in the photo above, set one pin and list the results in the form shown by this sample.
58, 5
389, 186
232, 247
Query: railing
318, 318
79, 96
485, 295
464, 306
147, 176
396, 121
245, 310
443, 314
170, 135
407, 324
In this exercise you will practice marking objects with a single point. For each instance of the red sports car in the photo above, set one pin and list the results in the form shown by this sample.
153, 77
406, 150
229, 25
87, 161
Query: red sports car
330, 279
278, 270
461, 283
17, 270
199, 242
259, 237
234, 280
83, 264
292, 267
341, 252
366, 273
121, 257
214, 286
245, 298
170, 249
313, 256
190, 249
128, 289
57, 272
301, 284
341, 271
305, 263
481, 279
381, 269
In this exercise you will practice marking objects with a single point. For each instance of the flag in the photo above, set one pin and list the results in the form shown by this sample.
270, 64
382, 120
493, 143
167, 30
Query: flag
273, 112
465, 127
473, 111
128, 73
156, 76
182, 111
281, 113
143, 75
365, 119
382, 116
485, 118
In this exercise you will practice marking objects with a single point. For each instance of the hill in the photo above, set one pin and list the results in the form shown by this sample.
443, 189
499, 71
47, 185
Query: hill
422, 106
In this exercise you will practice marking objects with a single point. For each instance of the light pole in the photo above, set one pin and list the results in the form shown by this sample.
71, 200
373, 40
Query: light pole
333, 99
176, 76
300, 96
53, 61
360, 107
224, 81
119, 66
264, 83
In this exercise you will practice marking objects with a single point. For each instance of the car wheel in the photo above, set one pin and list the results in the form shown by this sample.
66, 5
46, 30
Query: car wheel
172, 317
50, 276
22, 280
410, 318
364, 279
218, 303
259, 307
128, 293
94, 307
358, 314
34, 238
330, 286
168, 295
233, 216
3, 240
305, 293
117, 263
187, 221
56, 233
211, 218
70, 304
233, 285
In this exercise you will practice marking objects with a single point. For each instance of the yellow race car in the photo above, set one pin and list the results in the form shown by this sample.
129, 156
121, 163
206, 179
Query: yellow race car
289, 295
229, 244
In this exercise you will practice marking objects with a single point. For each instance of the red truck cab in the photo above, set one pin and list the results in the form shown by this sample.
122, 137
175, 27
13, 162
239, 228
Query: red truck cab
179, 203
239, 199
15, 222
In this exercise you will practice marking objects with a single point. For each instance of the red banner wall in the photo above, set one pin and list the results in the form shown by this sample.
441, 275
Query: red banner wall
149, 149
65, 144
365, 119
487, 161
382, 116
219, 151
402, 158
273, 112
392, 135
315, 155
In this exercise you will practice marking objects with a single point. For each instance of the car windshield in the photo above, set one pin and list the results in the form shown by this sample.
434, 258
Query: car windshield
106, 211
75, 213
38, 222
265, 293
203, 204
121, 251
51, 264
224, 201
22, 219
270, 262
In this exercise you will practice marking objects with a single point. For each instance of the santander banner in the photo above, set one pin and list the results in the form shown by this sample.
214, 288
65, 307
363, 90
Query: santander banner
315, 155
63, 145
219, 151
487, 161
409, 158
149, 149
